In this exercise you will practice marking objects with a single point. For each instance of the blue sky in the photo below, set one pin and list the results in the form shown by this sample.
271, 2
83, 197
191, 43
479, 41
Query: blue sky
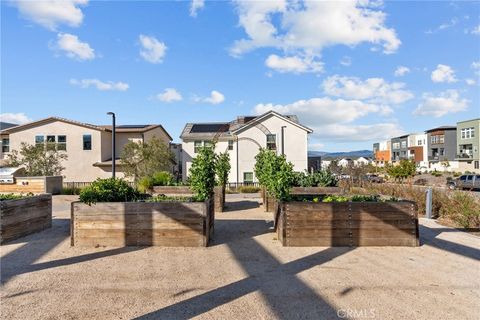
355, 72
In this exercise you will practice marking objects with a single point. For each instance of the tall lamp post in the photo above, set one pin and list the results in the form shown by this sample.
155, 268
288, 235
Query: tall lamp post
283, 140
113, 143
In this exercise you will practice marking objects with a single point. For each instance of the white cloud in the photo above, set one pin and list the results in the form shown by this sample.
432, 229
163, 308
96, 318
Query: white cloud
18, 118
476, 67
470, 82
215, 97
401, 71
333, 118
346, 61
152, 50
51, 13
73, 47
196, 5
372, 89
446, 102
476, 30
293, 64
169, 95
443, 73
100, 85
305, 29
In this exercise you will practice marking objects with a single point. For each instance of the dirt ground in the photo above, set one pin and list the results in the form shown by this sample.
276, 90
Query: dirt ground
244, 274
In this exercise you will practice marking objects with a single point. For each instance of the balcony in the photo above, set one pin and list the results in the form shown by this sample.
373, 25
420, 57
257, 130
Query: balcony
464, 156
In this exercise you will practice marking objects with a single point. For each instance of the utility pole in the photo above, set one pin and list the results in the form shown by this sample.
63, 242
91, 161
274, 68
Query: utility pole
113, 143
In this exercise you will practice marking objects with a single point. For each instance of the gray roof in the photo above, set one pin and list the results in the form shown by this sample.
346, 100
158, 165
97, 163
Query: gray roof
210, 130
6, 125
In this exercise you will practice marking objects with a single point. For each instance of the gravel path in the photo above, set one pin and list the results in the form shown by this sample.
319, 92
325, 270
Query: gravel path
244, 274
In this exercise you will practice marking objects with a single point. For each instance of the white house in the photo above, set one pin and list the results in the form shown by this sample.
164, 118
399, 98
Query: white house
362, 161
243, 137
345, 162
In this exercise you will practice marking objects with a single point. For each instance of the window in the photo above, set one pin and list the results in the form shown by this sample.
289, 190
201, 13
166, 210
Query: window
404, 144
87, 142
469, 178
437, 139
468, 133
419, 142
62, 143
207, 144
196, 146
396, 145
248, 177
476, 164
51, 142
6, 145
230, 144
39, 140
442, 152
463, 178
271, 142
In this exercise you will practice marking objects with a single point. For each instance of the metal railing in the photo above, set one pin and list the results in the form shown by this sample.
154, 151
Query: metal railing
236, 185
80, 185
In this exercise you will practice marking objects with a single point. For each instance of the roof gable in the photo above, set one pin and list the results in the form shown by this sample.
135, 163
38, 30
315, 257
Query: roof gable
260, 118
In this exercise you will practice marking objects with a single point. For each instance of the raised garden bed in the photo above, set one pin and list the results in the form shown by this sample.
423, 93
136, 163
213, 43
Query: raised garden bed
308, 223
23, 216
270, 203
219, 194
118, 224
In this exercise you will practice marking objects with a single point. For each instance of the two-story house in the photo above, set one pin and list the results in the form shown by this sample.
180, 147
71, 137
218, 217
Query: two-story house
399, 148
88, 146
243, 137
468, 145
442, 148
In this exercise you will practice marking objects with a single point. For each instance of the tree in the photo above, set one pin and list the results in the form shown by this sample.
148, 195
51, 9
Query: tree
405, 169
145, 159
222, 168
335, 168
38, 160
202, 173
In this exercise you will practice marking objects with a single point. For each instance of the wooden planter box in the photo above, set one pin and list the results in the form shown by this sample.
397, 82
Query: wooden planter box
270, 203
38, 185
219, 194
304, 224
118, 224
21, 217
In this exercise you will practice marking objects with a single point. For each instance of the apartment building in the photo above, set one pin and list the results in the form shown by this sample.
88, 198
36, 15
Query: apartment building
88, 146
382, 152
442, 148
243, 137
468, 145
417, 149
399, 148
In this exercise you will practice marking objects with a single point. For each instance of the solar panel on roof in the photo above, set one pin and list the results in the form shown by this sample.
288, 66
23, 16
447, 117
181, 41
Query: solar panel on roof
133, 126
209, 128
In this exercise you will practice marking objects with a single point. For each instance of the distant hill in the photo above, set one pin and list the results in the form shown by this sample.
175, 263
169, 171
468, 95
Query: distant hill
336, 155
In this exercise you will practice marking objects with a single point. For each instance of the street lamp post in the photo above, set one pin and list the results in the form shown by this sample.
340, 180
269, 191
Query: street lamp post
283, 140
113, 143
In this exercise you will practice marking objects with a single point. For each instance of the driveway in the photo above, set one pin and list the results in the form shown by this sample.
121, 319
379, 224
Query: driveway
244, 274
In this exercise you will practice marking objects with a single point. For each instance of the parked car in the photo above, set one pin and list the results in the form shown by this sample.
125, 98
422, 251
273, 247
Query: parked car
466, 181
373, 178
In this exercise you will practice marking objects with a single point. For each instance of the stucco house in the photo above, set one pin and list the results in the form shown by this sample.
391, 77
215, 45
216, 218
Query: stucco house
88, 146
243, 137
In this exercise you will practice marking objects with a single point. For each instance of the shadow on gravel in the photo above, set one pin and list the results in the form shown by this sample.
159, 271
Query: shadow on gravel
428, 236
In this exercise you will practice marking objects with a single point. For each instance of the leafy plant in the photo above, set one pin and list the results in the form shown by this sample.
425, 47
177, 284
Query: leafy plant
334, 198
405, 169
202, 173
109, 190
164, 198
38, 160
145, 159
222, 168
248, 189
364, 198
11, 196
322, 178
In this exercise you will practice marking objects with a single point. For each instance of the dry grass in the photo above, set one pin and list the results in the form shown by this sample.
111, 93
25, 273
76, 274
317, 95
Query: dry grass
460, 207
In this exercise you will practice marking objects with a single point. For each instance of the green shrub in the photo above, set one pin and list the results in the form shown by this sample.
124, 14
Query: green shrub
109, 190
145, 184
334, 198
164, 198
248, 189
222, 168
11, 196
162, 178
322, 178
202, 173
